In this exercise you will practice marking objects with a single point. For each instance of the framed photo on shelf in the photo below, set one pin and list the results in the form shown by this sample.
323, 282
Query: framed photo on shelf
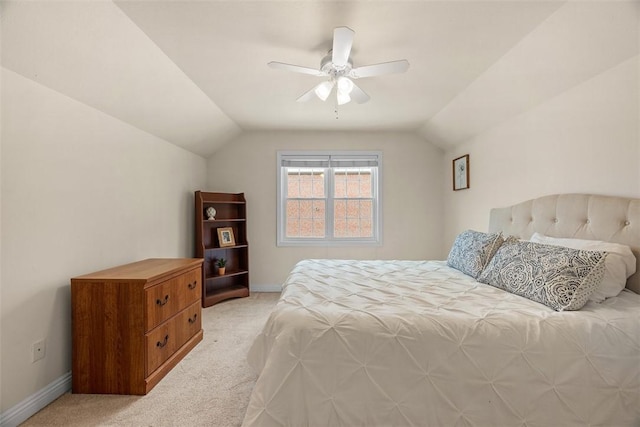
461, 173
225, 237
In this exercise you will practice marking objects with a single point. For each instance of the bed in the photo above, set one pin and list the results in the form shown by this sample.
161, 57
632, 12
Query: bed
418, 343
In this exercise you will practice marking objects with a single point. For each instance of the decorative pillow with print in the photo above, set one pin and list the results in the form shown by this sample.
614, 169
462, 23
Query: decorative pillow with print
472, 251
558, 277
618, 267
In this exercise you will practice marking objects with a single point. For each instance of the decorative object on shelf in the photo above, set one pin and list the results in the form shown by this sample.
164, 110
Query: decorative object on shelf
211, 212
221, 264
461, 173
225, 237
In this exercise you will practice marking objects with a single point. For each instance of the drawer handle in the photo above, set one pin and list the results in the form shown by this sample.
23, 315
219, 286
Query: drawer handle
162, 302
192, 320
193, 285
163, 343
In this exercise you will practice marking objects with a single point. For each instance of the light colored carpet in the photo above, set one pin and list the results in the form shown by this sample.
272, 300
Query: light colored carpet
209, 387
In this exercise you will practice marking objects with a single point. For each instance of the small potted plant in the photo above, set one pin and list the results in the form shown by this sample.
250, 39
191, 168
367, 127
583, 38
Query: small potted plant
221, 264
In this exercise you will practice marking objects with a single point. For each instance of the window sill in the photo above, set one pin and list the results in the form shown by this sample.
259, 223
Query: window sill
328, 243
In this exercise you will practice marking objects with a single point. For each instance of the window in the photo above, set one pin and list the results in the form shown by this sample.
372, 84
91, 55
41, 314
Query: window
329, 198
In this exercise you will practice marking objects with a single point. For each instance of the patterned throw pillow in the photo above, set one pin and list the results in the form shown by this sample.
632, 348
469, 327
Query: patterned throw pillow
558, 277
472, 251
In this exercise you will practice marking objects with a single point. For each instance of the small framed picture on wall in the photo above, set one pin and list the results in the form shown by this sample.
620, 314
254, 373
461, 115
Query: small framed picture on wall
461, 173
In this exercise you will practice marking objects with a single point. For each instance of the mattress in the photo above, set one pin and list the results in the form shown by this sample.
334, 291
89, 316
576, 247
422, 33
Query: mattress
416, 343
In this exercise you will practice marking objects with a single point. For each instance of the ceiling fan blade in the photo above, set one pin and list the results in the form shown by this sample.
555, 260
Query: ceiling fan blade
379, 69
358, 95
296, 68
307, 96
342, 42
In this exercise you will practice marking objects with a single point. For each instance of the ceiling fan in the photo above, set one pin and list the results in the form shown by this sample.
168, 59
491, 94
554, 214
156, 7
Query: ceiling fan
338, 67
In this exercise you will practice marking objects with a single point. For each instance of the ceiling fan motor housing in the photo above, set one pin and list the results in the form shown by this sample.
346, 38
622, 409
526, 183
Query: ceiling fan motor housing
335, 71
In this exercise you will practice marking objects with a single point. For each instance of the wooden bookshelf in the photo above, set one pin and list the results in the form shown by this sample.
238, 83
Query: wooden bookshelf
231, 212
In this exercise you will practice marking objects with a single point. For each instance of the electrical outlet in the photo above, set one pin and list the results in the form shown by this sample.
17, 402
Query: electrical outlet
38, 350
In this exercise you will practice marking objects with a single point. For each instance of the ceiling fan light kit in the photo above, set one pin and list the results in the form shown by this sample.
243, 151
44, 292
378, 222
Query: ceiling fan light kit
345, 85
343, 98
338, 67
323, 90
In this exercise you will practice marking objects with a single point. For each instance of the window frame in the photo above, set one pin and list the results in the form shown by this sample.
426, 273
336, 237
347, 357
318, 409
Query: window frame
329, 239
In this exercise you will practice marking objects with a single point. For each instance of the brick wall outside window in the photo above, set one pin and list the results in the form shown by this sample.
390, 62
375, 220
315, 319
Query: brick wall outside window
353, 205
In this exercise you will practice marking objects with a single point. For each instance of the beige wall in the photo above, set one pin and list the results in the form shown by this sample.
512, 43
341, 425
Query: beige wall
81, 191
412, 189
585, 140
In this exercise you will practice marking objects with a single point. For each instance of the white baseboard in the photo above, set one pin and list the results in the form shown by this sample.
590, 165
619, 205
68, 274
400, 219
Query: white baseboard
32, 404
265, 288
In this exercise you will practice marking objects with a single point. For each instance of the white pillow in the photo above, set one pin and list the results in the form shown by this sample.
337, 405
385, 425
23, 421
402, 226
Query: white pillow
620, 262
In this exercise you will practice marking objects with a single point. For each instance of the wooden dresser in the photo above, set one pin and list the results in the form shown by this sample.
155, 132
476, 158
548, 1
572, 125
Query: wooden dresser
133, 323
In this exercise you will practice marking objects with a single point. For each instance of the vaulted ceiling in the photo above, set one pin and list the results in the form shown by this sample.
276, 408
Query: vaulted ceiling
194, 72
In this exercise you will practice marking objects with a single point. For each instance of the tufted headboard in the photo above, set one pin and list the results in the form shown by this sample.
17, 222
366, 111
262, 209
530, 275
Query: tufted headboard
581, 216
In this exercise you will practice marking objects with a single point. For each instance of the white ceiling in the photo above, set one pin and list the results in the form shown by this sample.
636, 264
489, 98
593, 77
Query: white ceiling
194, 72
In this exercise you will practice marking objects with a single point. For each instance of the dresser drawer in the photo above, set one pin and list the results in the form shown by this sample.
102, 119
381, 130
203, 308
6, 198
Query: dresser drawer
188, 323
164, 340
167, 298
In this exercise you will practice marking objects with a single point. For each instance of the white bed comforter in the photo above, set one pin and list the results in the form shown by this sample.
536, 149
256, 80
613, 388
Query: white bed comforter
382, 343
